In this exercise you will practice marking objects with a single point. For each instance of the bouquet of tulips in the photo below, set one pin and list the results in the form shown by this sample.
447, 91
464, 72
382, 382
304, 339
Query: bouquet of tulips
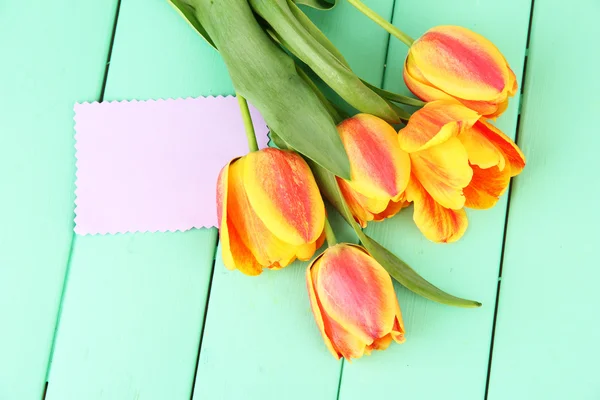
365, 154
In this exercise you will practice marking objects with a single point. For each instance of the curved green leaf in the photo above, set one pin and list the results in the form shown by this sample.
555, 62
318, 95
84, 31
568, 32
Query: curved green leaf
397, 268
316, 33
398, 98
188, 13
265, 75
318, 4
291, 33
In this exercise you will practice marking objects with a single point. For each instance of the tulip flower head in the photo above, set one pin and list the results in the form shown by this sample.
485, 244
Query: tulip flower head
270, 211
452, 62
353, 301
379, 168
457, 160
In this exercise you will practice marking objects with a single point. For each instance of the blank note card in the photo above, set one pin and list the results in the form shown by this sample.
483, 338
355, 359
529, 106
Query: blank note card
153, 165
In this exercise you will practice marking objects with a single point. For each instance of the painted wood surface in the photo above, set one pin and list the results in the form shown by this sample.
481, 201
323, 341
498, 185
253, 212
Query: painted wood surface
53, 53
134, 303
447, 349
133, 312
546, 340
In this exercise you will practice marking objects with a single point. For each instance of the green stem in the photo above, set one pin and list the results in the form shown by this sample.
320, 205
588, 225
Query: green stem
331, 240
407, 40
248, 126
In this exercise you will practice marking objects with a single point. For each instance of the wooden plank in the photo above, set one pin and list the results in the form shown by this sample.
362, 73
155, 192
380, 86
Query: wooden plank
134, 303
447, 349
53, 54
546, 340
260, 340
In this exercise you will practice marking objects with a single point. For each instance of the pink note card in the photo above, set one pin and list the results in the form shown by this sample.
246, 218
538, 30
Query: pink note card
153, 165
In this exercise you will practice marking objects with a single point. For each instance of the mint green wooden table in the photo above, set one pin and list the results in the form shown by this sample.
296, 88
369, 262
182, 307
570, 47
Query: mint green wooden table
157, 316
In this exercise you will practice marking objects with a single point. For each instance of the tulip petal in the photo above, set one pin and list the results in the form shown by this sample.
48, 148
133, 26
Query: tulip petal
480, 150
438, 224
444, 171
264, 245
317, 309
512, 82
381, 343
435, 123
513, 155
235, 254
398, 328
462, 62
416, 82
425, 90
392, 209
284, 195
379, 168
364, 209
356, 202
356, 292
486, 187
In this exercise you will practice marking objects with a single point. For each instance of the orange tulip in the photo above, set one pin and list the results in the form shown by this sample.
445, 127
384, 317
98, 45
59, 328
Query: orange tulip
457, 160
379, 169
353, 301
270, 211
451, 62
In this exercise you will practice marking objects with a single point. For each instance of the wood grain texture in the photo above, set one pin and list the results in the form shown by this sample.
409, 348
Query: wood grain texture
260, 340
447, 349
546, 341
134, 303
53, 54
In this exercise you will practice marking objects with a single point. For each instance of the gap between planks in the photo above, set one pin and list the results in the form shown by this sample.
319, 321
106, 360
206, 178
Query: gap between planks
73, 237
517, 131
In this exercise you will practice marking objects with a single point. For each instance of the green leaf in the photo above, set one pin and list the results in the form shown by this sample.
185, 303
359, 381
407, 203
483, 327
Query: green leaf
278, 141
316, 33
318, 4
188, 13
398, 98
266, 76
295, 38
402, 113
397, 268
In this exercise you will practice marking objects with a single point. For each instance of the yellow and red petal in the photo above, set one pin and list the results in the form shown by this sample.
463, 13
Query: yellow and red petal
512, 82
416, 83
480, 150
486, 187
392, 209
398, 327
356, 292
435, 123
437, 223
235, 254
355, 202
444, 171
379, 168
316, 309
513, 155
380, 344
264, 245
461, 62
284, 195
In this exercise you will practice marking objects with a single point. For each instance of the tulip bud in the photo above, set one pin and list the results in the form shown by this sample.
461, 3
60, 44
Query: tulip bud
452, 62
379, 168
270, 211
353, 301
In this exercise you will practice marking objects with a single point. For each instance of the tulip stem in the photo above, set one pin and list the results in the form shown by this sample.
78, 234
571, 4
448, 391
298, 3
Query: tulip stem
331, 240
248, 126
407, 40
